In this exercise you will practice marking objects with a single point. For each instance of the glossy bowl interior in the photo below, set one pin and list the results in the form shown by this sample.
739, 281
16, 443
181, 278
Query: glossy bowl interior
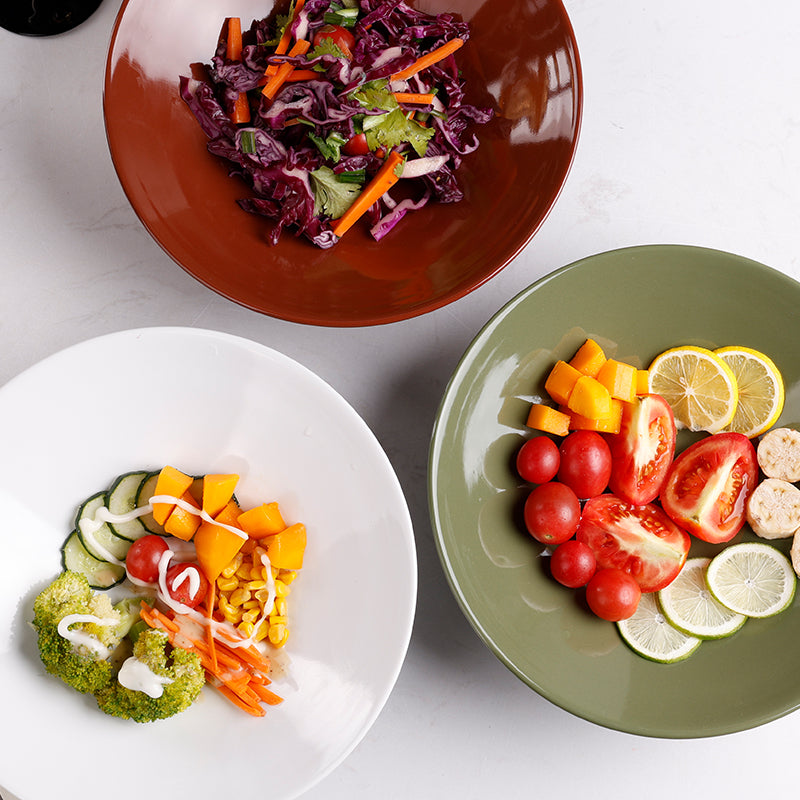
635, 302
522, 60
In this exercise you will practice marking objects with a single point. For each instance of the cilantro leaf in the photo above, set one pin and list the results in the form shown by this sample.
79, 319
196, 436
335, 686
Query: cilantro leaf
332, 196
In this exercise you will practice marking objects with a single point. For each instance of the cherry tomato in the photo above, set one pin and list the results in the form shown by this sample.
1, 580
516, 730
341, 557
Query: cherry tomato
340, 36
585, 463
143, 556
552, 512
187, 584
613, 594
640, 540
642, 451
538, 460
573, 563
356, 145
708, 485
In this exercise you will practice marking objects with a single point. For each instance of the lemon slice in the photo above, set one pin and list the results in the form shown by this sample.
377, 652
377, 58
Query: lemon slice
699, 386
649, 634
690, 607
760, 386
752, 578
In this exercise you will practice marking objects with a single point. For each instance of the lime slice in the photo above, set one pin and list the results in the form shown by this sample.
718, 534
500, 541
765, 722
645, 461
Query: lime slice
761, 392
690, 607
649, 634
752, 578
698, 385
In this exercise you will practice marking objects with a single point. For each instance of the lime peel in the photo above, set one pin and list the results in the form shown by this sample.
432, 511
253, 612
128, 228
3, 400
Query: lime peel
649, 634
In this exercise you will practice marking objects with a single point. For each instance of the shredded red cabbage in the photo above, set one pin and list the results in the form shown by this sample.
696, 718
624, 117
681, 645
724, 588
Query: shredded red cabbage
299, 153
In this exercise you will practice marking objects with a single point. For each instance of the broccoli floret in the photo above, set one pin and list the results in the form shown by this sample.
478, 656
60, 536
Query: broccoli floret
83, 666
182, 673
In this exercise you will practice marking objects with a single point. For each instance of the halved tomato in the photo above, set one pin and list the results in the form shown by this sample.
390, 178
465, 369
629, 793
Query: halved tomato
642, 451
638, 539
708, 485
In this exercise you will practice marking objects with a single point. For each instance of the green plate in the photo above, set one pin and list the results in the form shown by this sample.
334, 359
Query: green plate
635, 302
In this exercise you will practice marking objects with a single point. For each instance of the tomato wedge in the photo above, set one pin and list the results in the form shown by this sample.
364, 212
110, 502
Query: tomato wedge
638, 539
708, 485
642, 451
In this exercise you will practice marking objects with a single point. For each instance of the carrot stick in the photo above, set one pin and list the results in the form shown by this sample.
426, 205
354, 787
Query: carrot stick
233, 51
270, 698
376, 188
417, 98
273, 85
423, 62
302, 75
251, 708
286, 36
234, 44
211, 599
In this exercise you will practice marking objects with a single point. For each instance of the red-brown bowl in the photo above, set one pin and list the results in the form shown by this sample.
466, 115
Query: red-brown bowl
522, 60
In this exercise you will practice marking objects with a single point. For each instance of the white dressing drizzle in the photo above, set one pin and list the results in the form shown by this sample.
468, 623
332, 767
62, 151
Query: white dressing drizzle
137, 676
204, 515
81, 638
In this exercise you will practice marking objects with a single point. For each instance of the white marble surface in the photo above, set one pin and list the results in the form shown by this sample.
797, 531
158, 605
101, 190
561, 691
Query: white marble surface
691, 135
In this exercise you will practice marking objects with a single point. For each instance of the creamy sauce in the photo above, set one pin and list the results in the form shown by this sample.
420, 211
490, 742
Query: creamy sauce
205, 516
80, 638
137, 676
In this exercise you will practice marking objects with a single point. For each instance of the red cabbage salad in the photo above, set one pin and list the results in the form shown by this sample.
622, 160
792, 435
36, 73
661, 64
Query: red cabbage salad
322, 111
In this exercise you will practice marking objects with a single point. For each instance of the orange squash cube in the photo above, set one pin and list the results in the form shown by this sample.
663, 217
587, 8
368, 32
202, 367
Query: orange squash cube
285, 550
170, 482
262, 520
561, 381
548, 419
642, 381
590, 398
182, 523
610, 424
589, 358
217, 491
619, 378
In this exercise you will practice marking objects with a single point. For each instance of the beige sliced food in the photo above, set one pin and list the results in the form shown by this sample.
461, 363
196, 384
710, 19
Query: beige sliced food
760, 390
778, 454
773, 509
698, 385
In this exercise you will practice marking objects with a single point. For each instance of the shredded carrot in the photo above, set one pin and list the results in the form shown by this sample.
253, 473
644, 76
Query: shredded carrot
234, 44
233, 51
302, 75
385, 178
417, 98
273, 85
423, 62
286, 37
239, 674
211, 599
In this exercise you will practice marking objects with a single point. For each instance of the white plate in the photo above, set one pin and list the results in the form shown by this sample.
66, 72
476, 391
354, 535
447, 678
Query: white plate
201, 401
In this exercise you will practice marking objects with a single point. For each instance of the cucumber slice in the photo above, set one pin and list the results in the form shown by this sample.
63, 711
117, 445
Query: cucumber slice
103, 542
101, 574
122, 500
146, 491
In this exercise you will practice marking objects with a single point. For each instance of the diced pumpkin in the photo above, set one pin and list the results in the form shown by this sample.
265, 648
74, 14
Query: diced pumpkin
548, 419
561, 381
642, 381
589, 358
590, 398
619, 378
217, 491
262, 520
181, 523
285, 549
170, 482
611, 424
217, 546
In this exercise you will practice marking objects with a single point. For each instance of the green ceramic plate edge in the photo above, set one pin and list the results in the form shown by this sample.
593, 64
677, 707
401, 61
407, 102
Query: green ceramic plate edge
636, 302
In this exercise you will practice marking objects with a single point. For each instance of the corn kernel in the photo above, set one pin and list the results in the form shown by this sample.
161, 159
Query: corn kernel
243, 572
277, 619
226, 584
281, 589
245, 628
239, 596
251, 603
276, 633
262, 595
255, 585
231, 614
280, 606
230, 570
287, 575
262, 632
251, 615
